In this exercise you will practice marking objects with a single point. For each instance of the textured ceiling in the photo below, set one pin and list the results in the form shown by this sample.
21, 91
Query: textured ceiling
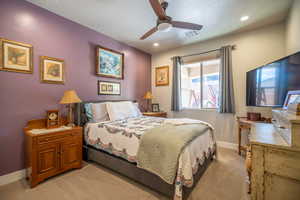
127, 20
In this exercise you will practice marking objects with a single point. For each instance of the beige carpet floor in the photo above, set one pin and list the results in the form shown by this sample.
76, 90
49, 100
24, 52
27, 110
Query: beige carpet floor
223, 180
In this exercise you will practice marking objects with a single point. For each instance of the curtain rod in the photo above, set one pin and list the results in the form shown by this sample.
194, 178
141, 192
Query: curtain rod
196, 54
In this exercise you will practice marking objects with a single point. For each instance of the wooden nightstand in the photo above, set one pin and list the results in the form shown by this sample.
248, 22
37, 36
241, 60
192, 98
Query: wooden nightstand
155, 114
49, 154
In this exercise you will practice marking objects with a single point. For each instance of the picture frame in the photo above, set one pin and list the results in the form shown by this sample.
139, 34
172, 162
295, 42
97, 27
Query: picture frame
53, 119
109, 63
155, 107
109, 88
16, 56
162, 76
292, 97
52, 70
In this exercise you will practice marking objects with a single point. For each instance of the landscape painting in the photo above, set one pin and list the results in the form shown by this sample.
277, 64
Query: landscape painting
52, 70
109, 63
16, 56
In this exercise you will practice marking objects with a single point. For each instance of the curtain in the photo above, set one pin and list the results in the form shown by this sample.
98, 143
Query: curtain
226, 102
176, 87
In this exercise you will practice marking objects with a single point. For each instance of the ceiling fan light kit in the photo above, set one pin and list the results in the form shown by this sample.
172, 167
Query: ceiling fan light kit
164, 22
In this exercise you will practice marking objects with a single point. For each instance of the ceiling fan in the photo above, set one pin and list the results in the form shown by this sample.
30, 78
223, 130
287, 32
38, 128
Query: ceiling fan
164, 22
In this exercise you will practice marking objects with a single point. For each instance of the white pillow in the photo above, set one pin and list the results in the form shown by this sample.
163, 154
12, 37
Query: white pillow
138, 111
99, 112
121, 110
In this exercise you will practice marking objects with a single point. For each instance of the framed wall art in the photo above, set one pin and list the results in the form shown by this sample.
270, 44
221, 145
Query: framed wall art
109, 88
292, 97
109, 63
16, 56
52, 70
162, 76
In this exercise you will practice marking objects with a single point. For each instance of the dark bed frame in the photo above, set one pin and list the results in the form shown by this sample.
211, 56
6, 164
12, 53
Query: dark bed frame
128, 169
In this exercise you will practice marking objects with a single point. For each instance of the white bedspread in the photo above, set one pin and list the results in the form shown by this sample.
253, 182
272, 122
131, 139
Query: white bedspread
122, 137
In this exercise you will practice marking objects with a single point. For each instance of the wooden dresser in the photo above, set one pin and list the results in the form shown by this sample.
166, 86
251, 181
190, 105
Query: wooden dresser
275, 158
48, 154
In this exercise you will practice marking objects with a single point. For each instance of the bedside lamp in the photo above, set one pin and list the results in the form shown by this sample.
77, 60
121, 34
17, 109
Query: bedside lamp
148, 96
70, 97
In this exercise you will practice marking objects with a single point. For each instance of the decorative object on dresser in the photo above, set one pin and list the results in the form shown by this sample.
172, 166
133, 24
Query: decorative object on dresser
109, 63
155, 107
16, 56
253, 116
148, 96
52, 70
155, 114
275, 158
53, 119
245, 123
49, 152
70, 97
109, 88
162, 76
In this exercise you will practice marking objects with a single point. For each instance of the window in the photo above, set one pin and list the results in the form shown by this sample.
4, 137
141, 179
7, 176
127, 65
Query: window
200, 84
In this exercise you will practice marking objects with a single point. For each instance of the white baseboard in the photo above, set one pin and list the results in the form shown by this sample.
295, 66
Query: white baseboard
12, 177
227, 145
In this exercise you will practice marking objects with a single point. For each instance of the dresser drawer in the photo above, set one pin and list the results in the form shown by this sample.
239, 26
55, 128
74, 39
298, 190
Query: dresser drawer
58, 137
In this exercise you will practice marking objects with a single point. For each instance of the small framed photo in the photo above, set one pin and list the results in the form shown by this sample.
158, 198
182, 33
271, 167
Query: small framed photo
155, 107
109, 63
162, 76
52, 70
109, 88
16, 56
292, 97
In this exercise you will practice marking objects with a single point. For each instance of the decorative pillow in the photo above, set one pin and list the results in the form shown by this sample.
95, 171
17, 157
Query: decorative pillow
99, 112
88, 111
121, 110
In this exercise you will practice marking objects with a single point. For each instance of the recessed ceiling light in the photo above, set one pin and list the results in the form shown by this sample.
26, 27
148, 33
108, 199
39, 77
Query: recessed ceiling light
156, 44
244, 18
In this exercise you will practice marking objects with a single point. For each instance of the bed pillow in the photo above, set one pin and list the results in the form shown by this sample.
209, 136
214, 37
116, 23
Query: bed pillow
99, 112
121, 110
138, 111
88, 111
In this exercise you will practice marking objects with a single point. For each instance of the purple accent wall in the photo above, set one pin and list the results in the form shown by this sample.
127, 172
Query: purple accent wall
23, 97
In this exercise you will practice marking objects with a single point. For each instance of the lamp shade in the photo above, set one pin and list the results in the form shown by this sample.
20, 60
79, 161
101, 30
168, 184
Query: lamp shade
70, 96
148, 95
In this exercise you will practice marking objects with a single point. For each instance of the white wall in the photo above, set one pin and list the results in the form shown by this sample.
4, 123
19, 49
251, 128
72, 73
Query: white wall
253, 49
293, 29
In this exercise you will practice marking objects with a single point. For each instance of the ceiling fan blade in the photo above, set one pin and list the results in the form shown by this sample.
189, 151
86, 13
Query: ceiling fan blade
186, 25
153, 30
158, 9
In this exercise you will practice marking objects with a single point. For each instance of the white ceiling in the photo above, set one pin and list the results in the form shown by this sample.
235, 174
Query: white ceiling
127, 20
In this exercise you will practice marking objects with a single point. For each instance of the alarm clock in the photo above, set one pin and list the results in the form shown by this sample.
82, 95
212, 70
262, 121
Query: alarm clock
53, 119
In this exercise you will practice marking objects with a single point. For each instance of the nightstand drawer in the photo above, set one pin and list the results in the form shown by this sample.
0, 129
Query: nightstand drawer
55, 138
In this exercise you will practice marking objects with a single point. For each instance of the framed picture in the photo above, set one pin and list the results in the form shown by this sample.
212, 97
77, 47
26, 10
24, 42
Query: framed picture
16, 56
109, 88
109, 63
162, 76
52, 70
155, 107
292, 97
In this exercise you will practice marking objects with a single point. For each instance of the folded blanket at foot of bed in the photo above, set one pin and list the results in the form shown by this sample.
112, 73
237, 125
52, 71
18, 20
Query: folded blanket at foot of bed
161, 147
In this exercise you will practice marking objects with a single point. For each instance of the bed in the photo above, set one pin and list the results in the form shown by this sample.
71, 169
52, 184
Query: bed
115, 144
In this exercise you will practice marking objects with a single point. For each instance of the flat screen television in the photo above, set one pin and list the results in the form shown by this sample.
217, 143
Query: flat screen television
268, 85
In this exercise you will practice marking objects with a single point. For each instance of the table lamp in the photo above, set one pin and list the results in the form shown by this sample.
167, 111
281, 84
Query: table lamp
70, 97
148, 96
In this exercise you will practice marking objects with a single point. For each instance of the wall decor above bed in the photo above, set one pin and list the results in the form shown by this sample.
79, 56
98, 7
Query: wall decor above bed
162, 76
52, 70
15, 56
109, 63
109, 88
